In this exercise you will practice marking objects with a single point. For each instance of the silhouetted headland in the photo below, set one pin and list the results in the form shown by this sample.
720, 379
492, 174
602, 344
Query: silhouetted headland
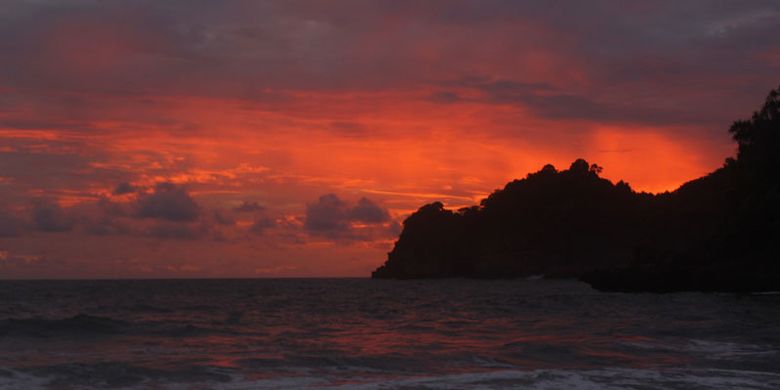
720, 232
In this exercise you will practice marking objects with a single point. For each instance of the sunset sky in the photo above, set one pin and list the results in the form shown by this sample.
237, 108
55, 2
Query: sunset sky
291, 138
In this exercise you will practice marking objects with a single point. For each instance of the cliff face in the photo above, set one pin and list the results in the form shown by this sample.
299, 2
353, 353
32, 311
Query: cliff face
572, 223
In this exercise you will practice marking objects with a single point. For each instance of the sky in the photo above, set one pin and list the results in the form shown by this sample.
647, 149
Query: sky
155, 139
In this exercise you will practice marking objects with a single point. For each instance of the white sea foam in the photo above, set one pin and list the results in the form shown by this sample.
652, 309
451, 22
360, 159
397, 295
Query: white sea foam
727, 350
601, 379
11, 379
709, 348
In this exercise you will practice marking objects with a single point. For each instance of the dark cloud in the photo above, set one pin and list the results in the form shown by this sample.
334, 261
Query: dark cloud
223, 218
35, 164
105, 225
394, 229
328, 214
262, 224
249, 207
335, 218
10, 225
445, 97
48, 216
368, 212
169, 202
262, 221
547, 101
168, 212
108, 208
124, 188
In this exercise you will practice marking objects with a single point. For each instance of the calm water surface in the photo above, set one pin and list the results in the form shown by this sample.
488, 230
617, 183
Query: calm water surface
360, 333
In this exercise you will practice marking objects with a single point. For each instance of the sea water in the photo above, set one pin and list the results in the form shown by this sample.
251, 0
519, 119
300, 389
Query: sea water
362, 333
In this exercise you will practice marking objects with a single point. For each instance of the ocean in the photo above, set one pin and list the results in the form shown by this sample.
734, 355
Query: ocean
367, 334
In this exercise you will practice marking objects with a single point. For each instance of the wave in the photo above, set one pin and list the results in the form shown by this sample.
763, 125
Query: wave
599, 379
110, 375
114, 374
